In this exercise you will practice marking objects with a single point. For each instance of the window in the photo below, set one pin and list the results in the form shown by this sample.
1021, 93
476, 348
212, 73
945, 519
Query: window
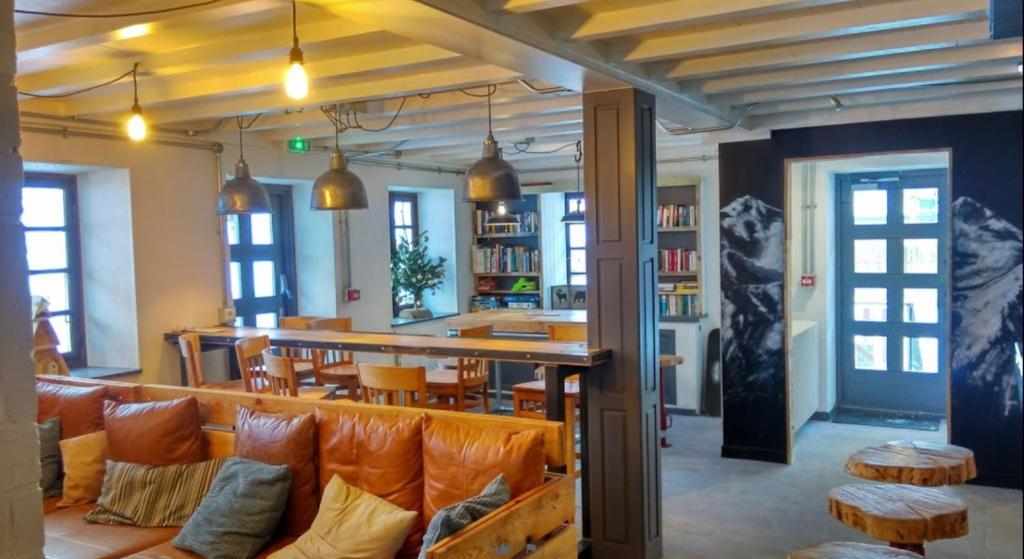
576, 241
404, 227
50, 216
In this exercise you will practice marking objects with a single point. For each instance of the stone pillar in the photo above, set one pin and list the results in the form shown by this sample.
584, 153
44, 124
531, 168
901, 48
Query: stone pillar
622, 466
21, 520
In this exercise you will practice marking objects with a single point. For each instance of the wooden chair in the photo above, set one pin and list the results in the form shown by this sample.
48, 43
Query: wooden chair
465, 387
304, 360
282, 380
393, 386
336, 367
191, 354
254, 372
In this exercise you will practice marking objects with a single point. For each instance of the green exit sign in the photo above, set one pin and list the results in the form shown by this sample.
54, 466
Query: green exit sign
299, 145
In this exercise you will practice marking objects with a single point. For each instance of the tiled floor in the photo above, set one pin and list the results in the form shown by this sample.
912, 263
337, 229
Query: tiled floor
739, 509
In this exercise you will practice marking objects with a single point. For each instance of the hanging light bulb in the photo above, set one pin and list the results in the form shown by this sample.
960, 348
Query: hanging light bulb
296, 83
136, 125
502, 208
242, 194
491, 178
338, 188
576, 215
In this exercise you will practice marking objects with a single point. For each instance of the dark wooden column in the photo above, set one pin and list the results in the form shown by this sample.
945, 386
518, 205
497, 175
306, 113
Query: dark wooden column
623, 463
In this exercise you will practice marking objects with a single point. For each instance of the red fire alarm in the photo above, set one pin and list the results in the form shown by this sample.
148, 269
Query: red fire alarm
352, 294
807, 280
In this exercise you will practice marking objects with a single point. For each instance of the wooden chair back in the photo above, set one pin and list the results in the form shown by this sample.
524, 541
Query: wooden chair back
331, 357
296, 322
298, 354
473, 371
280, 374
567, 332
393, 386
250, 362
189, 345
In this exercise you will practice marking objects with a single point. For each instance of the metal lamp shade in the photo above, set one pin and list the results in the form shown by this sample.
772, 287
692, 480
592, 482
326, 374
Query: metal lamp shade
338, 188
243, 194
491, 178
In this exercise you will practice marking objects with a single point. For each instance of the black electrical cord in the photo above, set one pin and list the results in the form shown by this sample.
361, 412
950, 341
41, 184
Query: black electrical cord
517, 146
118, 14
491, 90
240, 121
131, 73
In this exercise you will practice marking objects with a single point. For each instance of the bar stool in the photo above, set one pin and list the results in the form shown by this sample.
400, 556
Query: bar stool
465, 387
282, 381
336, 367
303, 359
191, 354
393, 386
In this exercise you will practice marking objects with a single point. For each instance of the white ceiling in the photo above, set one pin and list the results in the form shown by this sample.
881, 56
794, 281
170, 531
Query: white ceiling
755, 64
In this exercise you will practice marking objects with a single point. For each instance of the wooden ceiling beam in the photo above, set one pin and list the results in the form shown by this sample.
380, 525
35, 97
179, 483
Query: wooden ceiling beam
843, 20
477, 138
681, 13
864, 68
526, 6
832, 49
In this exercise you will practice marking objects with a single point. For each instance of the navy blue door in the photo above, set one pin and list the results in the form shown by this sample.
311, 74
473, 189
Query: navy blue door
893, 291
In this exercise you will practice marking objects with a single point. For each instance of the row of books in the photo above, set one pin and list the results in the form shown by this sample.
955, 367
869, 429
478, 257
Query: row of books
486, 302
678, 304
528, 223
677, 215
505, 259
680, 287
678, 260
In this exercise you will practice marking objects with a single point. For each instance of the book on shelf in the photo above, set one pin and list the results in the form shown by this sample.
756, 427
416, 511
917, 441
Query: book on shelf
677, 215
528, 223
679, 305
502, 259
677, 260
679, 288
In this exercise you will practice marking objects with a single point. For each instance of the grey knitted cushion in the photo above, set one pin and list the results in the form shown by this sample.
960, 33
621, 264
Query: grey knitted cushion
453, 518
49, 457
240, 512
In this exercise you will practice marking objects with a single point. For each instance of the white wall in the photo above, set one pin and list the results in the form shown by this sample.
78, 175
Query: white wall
315, 239
552, 243
108, 268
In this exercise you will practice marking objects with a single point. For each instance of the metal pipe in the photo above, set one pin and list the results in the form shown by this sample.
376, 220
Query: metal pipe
411, 166
225, 245
108, 124
541, 90
68, 132
686, 130
700, 158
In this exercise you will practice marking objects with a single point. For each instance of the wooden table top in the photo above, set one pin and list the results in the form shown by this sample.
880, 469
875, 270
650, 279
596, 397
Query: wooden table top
529, 351
852, 550
915, 463
905, 514
518, 321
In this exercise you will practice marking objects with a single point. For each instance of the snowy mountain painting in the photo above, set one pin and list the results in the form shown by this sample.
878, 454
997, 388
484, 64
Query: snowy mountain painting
987, 290
753, 325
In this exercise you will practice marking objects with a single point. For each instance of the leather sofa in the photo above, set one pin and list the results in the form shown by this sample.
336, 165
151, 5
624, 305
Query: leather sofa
407, 456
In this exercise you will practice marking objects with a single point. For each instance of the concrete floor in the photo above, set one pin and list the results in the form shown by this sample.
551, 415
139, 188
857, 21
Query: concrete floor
739, 509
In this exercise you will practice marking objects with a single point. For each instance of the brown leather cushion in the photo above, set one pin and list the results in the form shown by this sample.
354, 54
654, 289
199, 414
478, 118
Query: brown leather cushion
79, 408
69, 536
155, 433
284, 440
168, 551
380, 455
459, 460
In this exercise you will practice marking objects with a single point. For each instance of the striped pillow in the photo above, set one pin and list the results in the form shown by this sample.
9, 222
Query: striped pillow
149, 496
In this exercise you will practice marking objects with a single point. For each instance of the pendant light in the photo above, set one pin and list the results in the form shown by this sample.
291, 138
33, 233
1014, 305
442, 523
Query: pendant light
502, 218
242, 194
491, 178
296, 83
136, 125
338, 188
576, 215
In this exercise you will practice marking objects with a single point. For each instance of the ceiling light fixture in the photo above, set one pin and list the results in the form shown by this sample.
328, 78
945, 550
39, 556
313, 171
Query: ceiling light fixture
837, 103
296, 83
243, 194
576, 215
338, 188
491, 178
136, 125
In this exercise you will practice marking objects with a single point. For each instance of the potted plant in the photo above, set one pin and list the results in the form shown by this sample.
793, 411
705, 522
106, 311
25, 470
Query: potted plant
414, 272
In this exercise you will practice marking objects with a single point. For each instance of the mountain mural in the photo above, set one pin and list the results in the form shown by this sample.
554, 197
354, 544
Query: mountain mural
987, 297
753, 325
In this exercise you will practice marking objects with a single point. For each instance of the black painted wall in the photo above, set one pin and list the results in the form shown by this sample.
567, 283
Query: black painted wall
985, 397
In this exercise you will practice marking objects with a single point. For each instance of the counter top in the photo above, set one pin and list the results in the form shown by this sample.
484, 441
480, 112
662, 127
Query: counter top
518, 321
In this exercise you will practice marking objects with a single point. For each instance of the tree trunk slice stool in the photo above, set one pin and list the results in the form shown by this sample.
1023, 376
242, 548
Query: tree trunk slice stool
914, 463
851, 550
906, 516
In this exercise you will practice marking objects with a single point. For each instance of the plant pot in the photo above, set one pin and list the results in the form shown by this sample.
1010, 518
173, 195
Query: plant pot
415, 313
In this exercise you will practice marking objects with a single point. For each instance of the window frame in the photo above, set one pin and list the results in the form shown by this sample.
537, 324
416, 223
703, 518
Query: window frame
570, 202
76, 307
393, 198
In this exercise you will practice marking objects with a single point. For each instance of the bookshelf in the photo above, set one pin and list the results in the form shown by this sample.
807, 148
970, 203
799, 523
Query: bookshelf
680, 294
506, 255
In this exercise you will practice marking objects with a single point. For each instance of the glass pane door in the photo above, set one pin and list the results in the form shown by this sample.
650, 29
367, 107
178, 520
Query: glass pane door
893, 231
262, 264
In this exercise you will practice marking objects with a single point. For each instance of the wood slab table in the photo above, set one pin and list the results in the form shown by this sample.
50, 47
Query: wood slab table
906, 516
852, 550
914, 463
518, 321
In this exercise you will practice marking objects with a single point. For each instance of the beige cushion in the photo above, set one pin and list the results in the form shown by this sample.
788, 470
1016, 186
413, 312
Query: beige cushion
85, 460
354, 524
